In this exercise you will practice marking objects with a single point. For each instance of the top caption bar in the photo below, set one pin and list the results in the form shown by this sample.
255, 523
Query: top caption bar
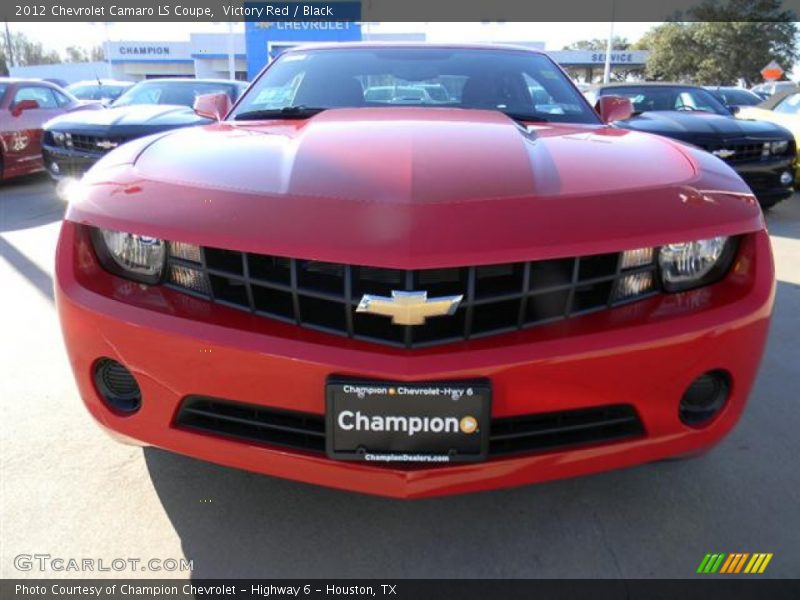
385, 10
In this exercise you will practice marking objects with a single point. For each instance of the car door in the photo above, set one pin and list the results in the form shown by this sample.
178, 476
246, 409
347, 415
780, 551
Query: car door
24, 136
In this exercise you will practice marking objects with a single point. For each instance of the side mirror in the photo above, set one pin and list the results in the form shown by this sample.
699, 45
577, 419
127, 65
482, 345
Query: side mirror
212, 106
23, 105
734, 109
614, 108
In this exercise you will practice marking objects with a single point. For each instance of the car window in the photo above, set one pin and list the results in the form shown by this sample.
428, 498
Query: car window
650, 98
524, 84
739, 98
3, 90
42, 95
789, 105
173, 92
61, 99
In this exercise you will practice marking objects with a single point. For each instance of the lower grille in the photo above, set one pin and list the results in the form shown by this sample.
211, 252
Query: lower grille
509, 435
253, 423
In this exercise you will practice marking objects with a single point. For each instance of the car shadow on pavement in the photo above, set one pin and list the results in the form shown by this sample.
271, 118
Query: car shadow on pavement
39, 278
29, 201
655, 520
784, 219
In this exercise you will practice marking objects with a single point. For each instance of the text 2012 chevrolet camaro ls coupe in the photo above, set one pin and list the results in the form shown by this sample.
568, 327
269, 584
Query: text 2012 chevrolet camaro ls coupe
415, 300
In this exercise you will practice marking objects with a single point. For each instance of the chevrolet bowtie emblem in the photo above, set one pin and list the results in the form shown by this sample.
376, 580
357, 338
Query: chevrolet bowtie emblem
408, 308
106, 144
724, 153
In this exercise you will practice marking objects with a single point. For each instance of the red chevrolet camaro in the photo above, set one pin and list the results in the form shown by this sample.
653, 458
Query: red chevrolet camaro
25, 105
414, 271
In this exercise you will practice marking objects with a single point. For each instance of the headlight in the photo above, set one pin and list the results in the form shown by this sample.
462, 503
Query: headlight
692, 264
137, 257
779, 147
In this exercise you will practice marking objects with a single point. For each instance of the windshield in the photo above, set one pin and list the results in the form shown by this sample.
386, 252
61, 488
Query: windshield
525, 85
96, 92
738, 97
661, 97
789, 105
181, 93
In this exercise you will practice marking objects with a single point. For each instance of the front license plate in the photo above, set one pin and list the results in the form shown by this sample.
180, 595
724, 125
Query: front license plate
421, 423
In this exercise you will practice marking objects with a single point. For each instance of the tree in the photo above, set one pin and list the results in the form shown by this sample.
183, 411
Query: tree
77, 54
599, 44
723, 43
26, 52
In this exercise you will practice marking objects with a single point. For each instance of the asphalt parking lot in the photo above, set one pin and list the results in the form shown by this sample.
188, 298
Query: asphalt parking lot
69, 491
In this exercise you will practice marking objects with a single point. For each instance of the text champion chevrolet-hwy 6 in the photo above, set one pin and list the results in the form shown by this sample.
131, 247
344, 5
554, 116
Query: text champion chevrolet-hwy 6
294, 289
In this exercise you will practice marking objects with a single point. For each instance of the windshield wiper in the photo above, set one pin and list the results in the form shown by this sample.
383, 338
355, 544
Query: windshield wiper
287, 112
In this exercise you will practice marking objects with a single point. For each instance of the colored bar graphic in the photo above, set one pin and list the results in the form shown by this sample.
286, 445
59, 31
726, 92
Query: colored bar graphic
741, 563
765, 563
735, 563
717, 564
703, 563
727, 565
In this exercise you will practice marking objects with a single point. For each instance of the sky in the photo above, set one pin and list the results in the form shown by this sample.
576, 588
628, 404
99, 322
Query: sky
58, 36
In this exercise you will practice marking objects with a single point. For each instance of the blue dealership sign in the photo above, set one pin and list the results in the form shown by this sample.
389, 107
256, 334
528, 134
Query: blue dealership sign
266, 39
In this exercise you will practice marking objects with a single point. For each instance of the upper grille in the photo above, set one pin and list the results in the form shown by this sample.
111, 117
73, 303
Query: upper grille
323, 296
743, 151
96, 144
509, 435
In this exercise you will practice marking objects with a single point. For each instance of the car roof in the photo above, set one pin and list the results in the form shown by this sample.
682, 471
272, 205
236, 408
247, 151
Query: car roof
399, 45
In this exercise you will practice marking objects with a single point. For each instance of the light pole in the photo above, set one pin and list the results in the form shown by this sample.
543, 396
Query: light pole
609, 46
231, 53
9, 49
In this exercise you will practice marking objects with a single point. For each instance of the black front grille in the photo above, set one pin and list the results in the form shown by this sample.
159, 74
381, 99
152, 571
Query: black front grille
742, 151
323, 296
509, 435
96, 144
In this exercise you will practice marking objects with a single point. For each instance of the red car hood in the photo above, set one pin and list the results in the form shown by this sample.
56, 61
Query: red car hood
416, 187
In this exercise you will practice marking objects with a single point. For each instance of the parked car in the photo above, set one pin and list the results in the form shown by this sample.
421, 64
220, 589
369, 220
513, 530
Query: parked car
103, 90
783, 109
735, 98
414, 300
72, 144
770, 88
24, 106
762, 153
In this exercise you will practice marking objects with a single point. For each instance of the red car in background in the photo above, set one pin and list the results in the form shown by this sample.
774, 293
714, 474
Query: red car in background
25, 105
417, 299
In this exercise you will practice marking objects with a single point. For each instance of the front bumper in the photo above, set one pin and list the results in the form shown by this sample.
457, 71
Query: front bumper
764, 178
644, 354
62, 163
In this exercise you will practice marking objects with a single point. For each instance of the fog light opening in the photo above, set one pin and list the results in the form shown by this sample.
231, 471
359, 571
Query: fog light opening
786, 178
704, 398
117, 386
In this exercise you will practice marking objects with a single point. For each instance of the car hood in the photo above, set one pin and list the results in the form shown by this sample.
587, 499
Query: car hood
405, 186
689, 125
140, 115
755, 114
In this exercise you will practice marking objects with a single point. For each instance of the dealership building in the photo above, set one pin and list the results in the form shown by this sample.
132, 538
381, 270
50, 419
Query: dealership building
208, 54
